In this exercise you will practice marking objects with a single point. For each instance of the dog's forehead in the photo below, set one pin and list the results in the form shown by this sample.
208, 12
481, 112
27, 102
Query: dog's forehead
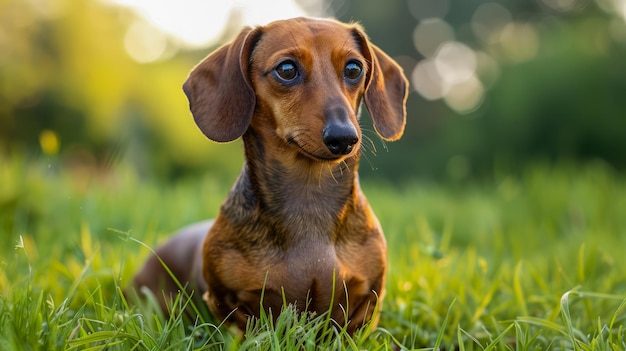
310, 26
308, 33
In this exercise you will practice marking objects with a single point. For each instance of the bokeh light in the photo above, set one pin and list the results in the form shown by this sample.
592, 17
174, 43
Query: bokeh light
424, 9
565, 5
145, 43
455, 62
488, 21
455, 72
429, 34
427, 81
487, 69
465, 96
49, 142
519, 42
451, 75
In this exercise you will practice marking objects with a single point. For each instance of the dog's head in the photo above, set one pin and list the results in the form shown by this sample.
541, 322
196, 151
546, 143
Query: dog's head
301, 80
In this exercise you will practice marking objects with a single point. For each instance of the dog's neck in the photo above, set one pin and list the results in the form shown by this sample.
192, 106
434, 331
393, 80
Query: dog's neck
305, 196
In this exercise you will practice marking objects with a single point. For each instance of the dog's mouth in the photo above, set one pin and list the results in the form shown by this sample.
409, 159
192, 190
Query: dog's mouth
320, 153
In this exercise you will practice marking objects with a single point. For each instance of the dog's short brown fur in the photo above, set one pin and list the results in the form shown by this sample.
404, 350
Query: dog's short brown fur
295, 224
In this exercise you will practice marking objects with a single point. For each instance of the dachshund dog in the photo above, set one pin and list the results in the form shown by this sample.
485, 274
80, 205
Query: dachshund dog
295, 227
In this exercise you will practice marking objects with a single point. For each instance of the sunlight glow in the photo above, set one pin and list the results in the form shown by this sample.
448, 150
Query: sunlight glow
195, 24
201, 23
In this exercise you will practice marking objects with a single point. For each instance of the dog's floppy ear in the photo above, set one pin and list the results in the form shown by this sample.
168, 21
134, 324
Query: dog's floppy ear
220, 96
386, 90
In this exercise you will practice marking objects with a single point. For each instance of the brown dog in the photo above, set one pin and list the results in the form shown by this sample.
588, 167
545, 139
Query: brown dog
295, 226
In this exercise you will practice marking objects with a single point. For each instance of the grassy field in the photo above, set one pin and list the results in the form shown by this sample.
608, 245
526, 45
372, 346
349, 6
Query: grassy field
528, 261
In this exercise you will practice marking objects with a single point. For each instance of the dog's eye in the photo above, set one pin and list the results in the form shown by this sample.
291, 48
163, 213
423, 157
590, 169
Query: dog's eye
353, 70
287, 71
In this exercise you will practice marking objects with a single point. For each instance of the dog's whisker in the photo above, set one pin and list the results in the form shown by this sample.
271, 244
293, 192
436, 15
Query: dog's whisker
384, 145
319, 178
370, 140
369, 162
332, 174
344, 165
365, 149
340, 167
364, 129
370, 143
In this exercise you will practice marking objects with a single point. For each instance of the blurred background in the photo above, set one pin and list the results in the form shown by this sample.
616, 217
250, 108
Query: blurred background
495, 85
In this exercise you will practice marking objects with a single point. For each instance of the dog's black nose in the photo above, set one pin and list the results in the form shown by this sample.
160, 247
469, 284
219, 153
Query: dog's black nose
340, 138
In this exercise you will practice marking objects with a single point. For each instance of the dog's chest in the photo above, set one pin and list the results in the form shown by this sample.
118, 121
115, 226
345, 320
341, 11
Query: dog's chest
311, 273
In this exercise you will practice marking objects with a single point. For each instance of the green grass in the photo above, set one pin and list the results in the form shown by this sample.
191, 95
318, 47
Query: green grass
527, 261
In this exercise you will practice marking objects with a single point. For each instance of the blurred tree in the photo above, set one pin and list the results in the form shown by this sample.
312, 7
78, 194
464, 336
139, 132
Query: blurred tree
64, 69
57, 72
556, 93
